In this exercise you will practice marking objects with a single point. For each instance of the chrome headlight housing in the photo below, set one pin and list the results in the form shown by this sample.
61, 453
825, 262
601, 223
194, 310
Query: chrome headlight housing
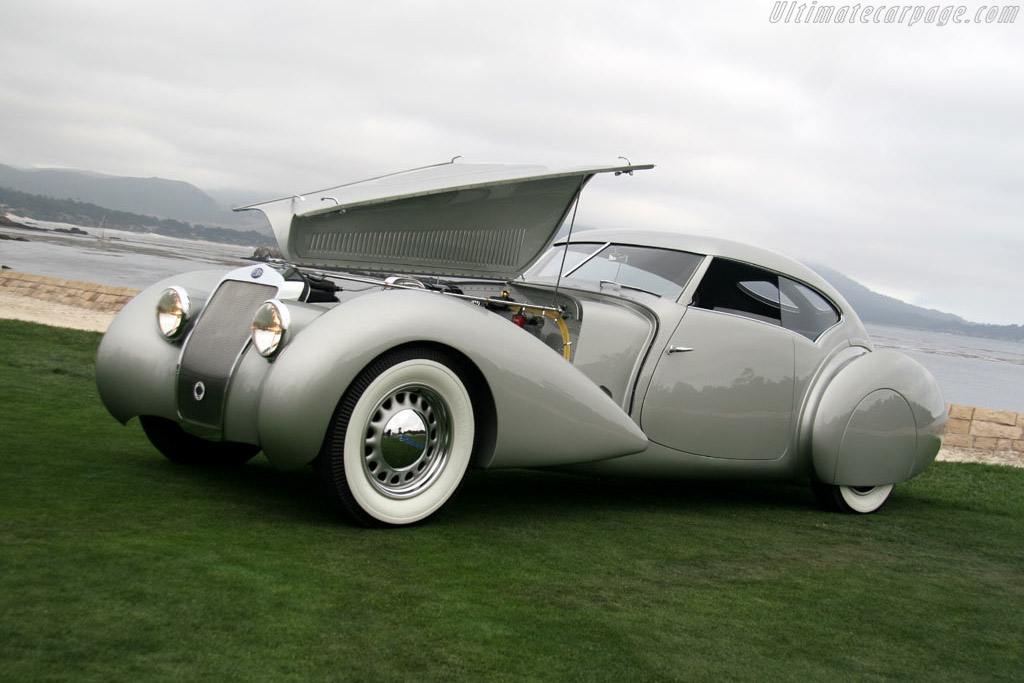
269, 326
173, 311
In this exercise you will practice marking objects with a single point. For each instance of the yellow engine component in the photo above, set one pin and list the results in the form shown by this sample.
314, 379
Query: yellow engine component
559, 320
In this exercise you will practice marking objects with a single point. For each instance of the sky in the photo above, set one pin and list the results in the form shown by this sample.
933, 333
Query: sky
890, 151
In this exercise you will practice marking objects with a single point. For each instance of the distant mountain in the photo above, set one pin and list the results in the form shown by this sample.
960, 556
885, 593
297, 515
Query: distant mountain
88, 215
880, 309
157, 197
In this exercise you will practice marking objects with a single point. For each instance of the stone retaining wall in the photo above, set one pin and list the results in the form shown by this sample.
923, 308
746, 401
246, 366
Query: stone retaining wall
67, 292
984, 429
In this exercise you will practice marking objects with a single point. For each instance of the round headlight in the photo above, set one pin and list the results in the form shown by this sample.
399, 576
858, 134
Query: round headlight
173, 312
268, 327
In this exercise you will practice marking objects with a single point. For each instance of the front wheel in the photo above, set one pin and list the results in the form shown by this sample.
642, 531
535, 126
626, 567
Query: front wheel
400, 439
179, 446
860, 500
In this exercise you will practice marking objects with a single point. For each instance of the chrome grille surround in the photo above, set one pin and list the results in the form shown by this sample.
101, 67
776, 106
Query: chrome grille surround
213, 349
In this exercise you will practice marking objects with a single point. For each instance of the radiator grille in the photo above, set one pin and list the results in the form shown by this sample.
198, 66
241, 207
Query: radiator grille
213, 348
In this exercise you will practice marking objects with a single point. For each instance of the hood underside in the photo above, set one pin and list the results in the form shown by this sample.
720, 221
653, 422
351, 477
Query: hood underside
457, 219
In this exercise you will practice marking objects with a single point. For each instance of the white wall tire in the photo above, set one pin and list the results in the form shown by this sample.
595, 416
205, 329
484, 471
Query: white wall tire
860, 500
863, 499
358, 465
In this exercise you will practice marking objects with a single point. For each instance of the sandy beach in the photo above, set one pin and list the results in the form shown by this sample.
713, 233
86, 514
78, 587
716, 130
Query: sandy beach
15, 307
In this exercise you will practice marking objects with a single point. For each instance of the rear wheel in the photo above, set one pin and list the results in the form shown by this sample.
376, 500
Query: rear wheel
861, 500
179, 446
400, 440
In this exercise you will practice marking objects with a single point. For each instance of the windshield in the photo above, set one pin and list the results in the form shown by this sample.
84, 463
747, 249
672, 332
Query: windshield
660, 271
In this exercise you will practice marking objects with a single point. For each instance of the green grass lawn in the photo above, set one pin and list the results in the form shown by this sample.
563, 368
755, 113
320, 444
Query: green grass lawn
117, 565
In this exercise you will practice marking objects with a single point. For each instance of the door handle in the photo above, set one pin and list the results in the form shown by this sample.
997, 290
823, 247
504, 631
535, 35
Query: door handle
678, 349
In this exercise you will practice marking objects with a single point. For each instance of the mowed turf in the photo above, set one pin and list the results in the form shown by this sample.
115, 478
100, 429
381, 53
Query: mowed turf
118, 565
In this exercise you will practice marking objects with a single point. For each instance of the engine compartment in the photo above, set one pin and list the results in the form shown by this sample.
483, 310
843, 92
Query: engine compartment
552, 317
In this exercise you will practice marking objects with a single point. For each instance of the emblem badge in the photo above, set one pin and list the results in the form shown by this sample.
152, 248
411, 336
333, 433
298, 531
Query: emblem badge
256, 273
198, 391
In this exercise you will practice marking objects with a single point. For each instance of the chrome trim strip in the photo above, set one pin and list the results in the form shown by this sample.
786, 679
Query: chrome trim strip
271, 279
586, 260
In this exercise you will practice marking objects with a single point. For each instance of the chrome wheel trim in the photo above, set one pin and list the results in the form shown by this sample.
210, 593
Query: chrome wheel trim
432, 494
404, 481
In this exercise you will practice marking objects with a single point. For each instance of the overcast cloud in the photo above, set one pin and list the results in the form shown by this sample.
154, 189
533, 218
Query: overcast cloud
892, 153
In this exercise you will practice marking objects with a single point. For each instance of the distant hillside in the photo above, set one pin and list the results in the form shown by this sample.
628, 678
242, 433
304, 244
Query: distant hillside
158, 197
879, 309
93, 216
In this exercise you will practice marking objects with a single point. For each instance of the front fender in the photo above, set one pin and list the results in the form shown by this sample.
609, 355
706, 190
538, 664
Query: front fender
135, 364
548, 413
880, 421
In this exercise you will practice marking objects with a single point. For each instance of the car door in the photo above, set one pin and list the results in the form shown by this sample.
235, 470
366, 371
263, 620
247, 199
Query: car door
724, 385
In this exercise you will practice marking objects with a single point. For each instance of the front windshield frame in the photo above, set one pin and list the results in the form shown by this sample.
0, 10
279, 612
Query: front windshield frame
650, 272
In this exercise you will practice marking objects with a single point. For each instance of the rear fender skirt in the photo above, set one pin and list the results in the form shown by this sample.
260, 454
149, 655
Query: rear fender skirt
548, 412
880, 421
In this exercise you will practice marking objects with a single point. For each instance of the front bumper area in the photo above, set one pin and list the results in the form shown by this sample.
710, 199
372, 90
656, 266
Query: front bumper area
209, 380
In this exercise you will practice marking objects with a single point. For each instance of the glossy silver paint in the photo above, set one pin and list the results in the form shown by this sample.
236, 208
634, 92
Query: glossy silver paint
135, 369
284, 405
654, 385
879, 421
467, 219
613, 361
738, 380
548, 411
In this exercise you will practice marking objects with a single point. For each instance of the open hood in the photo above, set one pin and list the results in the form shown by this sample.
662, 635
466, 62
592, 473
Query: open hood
461, 219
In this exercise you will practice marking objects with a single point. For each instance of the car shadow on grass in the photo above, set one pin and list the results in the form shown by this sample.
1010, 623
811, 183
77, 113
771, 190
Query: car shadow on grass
497, 494
504, 491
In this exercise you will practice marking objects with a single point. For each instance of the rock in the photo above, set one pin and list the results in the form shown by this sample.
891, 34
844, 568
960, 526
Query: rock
72, 231
7, 222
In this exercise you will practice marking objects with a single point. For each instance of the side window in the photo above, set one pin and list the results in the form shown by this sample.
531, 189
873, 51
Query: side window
810, 313
741, 289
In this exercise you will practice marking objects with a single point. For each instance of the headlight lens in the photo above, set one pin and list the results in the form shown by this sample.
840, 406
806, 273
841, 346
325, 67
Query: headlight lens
268, 327
173, 312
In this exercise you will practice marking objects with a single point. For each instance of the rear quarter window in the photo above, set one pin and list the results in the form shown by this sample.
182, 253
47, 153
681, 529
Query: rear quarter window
751, 292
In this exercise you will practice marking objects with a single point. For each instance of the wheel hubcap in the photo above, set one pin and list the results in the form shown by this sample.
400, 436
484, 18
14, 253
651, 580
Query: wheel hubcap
407, 441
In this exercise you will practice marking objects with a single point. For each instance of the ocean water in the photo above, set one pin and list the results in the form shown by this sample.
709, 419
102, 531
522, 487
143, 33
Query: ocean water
112, 257
970, 370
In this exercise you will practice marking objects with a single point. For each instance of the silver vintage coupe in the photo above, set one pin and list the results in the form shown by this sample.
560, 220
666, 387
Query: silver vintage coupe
423, 323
